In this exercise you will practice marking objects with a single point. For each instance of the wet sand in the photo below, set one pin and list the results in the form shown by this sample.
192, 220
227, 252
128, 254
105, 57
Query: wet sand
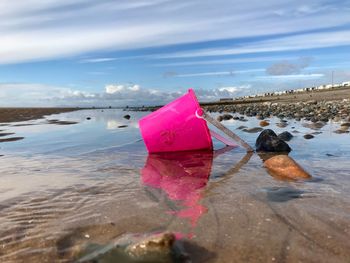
69, 186
24, 114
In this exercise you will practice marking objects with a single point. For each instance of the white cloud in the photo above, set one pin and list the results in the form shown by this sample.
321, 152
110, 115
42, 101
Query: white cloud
97, 60
220, 61
296, 42
40, 30
214, 73
31, 95
293, 76
112, 89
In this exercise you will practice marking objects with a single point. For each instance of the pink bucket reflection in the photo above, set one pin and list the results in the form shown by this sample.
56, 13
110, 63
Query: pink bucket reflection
182, 176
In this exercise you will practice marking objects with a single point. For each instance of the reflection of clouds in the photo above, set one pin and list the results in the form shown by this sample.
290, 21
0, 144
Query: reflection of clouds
114, 124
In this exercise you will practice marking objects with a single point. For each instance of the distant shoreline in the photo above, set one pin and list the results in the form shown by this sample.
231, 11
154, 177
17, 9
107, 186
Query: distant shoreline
335, 94
17, 114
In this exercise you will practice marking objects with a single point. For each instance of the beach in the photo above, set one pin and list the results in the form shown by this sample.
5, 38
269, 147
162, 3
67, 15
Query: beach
69, 190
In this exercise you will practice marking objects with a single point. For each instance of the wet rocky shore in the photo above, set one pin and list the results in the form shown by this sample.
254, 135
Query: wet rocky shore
310, 111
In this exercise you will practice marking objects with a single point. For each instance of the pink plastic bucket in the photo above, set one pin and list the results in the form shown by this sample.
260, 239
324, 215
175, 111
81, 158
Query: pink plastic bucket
176, 127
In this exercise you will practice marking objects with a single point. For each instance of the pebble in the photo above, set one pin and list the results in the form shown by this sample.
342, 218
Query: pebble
264, 123
253, 130
285, 136
308, 136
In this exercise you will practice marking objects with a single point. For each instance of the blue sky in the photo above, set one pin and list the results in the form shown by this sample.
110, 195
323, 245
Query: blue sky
141, 52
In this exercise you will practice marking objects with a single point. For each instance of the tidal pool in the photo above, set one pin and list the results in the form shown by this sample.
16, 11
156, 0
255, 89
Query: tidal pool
65, 187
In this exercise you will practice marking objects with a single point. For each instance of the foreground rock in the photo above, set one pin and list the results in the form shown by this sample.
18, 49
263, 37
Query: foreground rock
269, 142
156, 248
284, 167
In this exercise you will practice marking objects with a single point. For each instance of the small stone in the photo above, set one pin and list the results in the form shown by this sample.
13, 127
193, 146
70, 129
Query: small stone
88, 118
127, 116
264, 123
219, 118
345, 124
340, 131
308, 136
227, 117
281, 124
253, 130
285, 136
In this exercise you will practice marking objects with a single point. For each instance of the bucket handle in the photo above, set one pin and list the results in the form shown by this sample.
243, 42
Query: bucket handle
203, 115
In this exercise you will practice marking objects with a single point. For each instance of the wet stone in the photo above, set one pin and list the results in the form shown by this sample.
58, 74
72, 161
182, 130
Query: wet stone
268, 141
253, 130
281, 124
285, 136
156, 248
308, 136
284, 167
227, 117
340, 131
127, 116
264, 123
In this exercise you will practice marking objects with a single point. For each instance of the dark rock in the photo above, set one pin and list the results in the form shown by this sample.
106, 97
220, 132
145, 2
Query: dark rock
268, 141
127, 116
227, 117
241, 127
122, 126
308, 136
235, 118
345, 124
285, 136
88, 118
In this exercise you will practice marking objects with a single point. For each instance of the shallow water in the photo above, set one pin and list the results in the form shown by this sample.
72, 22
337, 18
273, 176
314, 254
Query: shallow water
64, 187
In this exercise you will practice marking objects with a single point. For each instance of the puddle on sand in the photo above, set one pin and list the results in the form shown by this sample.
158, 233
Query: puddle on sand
67, 186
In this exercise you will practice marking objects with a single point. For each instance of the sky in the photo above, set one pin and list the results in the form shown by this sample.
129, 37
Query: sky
149, 52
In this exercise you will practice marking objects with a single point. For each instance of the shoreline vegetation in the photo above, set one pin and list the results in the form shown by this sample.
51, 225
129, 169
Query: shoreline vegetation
330, 104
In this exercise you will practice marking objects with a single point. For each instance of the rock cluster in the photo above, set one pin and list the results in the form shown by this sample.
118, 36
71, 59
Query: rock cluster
312, 110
